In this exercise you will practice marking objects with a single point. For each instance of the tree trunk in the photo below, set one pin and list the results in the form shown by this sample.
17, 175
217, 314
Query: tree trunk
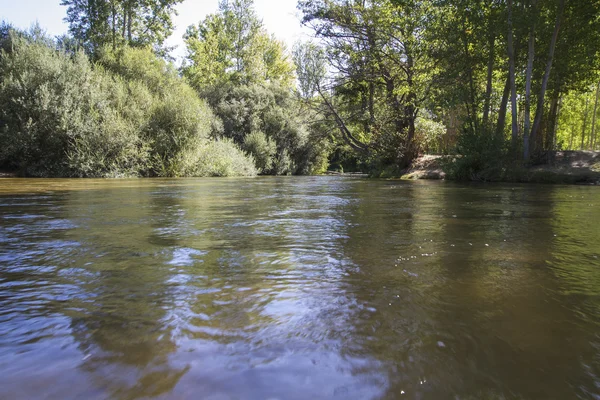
91, 9
572, 139
556, 120
511, 74
371, 105
551, 128
593, 135
585, 117
472, 107
410, 114
490, 76
129, 23
530, 60
352, 141
540, 104
124, 27
114, 26
503, 107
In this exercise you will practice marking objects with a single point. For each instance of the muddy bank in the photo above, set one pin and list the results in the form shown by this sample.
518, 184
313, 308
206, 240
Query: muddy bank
567, 167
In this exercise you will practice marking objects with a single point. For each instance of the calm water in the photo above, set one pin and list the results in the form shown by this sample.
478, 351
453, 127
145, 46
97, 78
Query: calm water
298, 288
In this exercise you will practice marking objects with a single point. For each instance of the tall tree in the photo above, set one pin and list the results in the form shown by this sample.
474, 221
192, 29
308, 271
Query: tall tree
593, 136
528, 78
512, 76
380, 58
541, 96
311, 68
233, 46
96, 23
584, 125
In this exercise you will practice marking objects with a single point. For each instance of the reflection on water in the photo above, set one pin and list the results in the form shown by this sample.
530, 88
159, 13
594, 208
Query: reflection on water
295, 288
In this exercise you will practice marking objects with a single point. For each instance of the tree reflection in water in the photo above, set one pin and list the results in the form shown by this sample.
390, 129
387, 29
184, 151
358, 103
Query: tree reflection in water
298, 288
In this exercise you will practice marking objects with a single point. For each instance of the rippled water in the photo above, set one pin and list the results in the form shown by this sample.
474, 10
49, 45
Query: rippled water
298, 288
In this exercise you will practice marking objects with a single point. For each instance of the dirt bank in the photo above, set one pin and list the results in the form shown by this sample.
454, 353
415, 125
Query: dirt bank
426, 167
570, 167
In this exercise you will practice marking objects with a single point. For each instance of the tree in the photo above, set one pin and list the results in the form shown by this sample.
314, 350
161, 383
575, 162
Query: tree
511, 74
96, 23
311, 70
541, 96
528, 78
593, 135
247, 77
232, 46
380, 61
550, 48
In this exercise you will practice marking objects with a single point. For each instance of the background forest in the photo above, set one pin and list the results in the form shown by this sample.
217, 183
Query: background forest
499, 84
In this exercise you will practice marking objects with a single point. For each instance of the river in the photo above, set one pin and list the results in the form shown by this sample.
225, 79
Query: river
298, 288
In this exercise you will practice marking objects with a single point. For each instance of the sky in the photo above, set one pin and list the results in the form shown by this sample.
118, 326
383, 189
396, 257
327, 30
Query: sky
279, 16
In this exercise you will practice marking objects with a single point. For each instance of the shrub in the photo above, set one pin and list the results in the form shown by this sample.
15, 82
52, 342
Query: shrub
222, 158
272, 110
140, 64
61, 115
263, 149
479, 156
59, 119
179, 124
429, 135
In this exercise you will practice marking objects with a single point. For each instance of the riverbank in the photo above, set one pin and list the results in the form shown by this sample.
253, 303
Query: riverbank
567, 167
7, 174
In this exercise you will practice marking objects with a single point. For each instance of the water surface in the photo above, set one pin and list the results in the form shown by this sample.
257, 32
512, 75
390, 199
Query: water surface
298, 288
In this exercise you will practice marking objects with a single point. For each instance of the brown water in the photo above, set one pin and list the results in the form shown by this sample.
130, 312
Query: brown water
298, 288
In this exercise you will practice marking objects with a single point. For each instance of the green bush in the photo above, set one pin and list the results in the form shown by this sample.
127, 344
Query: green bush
429, 135
140, 64
179, 123
59, 116
479, 156
128, 115
222, 158
263, 149
274, 111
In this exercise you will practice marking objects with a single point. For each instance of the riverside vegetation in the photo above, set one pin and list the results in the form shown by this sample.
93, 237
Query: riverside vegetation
497, 86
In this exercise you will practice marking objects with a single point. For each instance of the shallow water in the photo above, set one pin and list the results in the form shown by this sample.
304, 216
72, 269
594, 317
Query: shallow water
296, 288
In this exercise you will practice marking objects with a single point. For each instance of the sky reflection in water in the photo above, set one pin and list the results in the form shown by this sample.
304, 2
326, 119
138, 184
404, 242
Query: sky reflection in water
296, 288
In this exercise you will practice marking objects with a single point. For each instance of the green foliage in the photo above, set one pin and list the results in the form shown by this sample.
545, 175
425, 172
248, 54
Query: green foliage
479, 157
221, 158
389, 80
314, 156
263, 149
232, 46
60, 115
576, 130
272, 110
311, 68
246, 75
178, 125
141, 64
179, 121
429, 135
381, 68
118, 23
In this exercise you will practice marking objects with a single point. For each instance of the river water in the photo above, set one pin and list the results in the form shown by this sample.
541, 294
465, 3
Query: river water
298, 288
